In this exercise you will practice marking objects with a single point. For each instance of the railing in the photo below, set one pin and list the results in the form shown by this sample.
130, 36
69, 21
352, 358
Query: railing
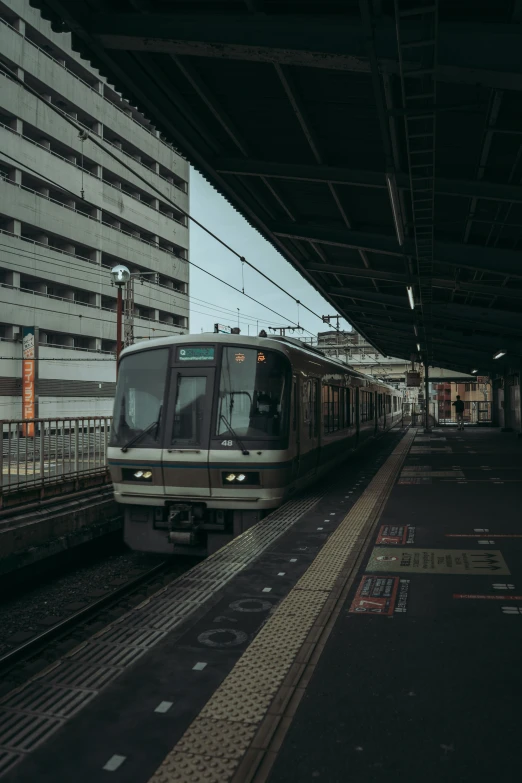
414, 413
480, 413
88, 260
125, 111
132, 233
37, 452
182, 222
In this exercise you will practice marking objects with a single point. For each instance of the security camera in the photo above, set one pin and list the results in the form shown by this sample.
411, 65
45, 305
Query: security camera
120, 275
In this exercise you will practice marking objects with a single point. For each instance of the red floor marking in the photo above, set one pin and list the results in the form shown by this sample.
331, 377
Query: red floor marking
396, 534
375, 595
489, 597
481, 535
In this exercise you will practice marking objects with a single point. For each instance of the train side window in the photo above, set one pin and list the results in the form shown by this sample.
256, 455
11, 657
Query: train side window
295, 406
335, 408
347, 403
312, 407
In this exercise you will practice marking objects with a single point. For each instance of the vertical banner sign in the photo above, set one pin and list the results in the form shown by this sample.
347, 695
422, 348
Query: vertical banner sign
28, 379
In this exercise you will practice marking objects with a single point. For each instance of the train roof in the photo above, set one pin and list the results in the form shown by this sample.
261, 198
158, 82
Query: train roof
275, 342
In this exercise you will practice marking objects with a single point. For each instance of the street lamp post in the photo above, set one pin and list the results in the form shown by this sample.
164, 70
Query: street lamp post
120, 276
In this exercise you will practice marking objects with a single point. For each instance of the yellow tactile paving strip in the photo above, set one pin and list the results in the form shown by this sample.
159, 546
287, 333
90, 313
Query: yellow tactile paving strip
224, 733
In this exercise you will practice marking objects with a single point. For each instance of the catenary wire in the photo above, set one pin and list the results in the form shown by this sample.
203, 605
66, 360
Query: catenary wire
245, 317
175, 293
101, 146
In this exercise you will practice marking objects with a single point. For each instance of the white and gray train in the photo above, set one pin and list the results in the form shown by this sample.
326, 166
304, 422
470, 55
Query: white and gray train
211, 432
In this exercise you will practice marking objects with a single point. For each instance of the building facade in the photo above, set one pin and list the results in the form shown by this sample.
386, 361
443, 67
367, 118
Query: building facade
355, 350
476, 394
70, 210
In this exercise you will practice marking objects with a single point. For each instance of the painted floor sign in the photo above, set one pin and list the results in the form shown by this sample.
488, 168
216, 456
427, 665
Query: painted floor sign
436, 561
375, 595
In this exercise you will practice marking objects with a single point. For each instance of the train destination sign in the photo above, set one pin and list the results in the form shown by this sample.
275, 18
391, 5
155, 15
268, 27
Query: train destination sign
198, 353
396, 560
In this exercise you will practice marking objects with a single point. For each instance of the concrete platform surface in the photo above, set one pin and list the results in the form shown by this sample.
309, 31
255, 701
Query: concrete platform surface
119, 703
419, 679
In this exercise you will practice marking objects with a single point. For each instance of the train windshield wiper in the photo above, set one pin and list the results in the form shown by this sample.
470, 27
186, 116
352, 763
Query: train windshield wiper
234, 433
140, 435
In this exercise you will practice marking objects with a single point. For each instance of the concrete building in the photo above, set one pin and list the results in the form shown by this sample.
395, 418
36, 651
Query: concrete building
70, 210
356, 351
477, 396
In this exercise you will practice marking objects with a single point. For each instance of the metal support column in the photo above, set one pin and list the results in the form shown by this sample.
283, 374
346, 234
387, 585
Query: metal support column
426, 399
520, 397
507, 404
119, 313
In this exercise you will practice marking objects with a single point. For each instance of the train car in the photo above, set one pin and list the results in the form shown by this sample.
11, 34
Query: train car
211, 432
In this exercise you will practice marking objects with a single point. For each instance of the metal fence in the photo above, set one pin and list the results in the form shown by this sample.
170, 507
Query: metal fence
477, 414
414, 413
45, 451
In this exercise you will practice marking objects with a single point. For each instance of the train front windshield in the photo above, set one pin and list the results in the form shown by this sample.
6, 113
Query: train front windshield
139, 397
252, 393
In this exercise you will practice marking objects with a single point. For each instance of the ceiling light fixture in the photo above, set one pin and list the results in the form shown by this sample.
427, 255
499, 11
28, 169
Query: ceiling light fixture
499, 354
474, 372
394, 199
409, 289
418, 346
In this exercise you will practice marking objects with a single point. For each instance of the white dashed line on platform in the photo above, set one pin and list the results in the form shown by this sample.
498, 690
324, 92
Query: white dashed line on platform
281, 573
199, 666
164, 706
114, 763
267, 589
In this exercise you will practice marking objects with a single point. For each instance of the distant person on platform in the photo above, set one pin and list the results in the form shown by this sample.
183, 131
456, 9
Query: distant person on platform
459, 410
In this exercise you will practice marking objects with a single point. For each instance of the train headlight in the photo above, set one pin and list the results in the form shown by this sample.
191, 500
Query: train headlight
141, 475
245, 479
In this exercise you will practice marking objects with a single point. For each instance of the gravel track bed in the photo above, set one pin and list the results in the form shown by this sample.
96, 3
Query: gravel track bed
33, 611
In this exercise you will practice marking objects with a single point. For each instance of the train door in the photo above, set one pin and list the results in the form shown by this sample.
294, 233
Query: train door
295, 440
357, 411
309, 444
185, 453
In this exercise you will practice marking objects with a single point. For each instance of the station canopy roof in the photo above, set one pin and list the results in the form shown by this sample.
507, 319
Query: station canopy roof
376, 144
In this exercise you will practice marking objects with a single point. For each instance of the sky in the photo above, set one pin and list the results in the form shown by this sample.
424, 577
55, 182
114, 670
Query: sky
214, 302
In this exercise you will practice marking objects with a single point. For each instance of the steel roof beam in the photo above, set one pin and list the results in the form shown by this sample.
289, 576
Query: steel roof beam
488, 344
487, 259
340, 175
468, 54
463, 286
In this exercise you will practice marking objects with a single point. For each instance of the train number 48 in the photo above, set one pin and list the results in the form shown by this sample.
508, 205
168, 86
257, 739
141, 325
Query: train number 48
227, 442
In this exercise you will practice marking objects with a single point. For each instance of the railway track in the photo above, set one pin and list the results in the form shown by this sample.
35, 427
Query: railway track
26, 659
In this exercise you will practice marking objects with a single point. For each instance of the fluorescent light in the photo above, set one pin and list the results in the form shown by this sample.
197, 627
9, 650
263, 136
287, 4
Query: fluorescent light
418, 346
409, 289
499, 354
394, 199
474, 372
416, 332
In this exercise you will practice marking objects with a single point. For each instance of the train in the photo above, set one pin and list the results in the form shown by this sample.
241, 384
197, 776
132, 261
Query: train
212, 432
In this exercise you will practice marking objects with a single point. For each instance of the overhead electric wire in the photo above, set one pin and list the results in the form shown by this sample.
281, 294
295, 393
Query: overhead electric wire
108, 152
97, 318
200, 302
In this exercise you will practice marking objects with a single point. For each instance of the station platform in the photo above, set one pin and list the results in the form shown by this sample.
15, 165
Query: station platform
369, 630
